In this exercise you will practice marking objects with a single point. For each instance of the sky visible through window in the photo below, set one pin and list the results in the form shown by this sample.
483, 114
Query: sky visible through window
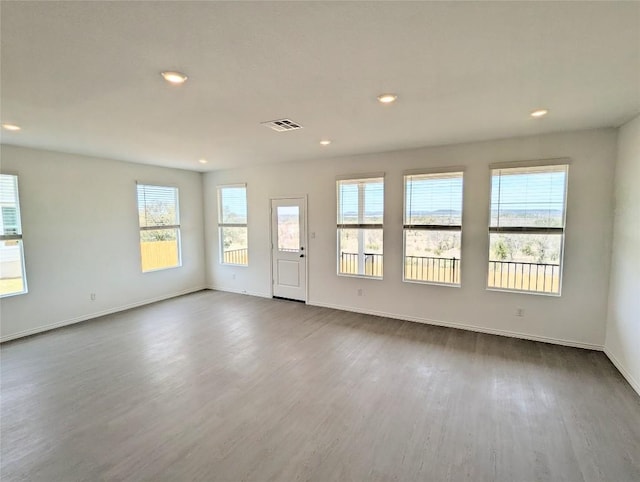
539, 191
536, 190
373, 200
234, 204
528, 199
433, 194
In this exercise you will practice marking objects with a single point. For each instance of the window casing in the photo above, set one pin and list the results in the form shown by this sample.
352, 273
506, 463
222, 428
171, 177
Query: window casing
233, 231
433, 227
13, 279
527, 227
360, 226
159, 220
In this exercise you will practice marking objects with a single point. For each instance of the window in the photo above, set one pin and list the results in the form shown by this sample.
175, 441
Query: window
433, 227
360, 233
526, 230
288, 222
13, 280
232, 224
159, 227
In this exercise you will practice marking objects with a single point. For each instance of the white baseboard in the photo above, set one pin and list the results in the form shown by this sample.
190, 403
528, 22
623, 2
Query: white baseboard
625, 373
240, 292
96, 314
464, 326
427, 321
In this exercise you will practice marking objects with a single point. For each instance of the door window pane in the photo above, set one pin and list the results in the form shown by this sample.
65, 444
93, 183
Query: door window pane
288, 228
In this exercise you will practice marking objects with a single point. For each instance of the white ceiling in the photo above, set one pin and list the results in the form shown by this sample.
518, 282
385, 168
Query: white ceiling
83, 77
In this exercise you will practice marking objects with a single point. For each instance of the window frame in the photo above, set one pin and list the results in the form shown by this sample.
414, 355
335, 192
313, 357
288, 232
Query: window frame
17, 237
222, 225
431, 227
555, 162
360, 225
160, 227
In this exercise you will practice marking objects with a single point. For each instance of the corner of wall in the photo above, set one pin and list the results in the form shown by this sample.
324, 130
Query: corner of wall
622, 327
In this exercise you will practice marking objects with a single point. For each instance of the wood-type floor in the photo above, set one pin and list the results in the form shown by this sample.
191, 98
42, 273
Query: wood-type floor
217, 386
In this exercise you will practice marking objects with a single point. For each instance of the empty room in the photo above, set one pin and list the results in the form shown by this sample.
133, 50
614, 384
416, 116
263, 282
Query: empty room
320, 241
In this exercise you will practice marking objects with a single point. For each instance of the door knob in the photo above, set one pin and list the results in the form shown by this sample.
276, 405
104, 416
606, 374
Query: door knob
302, 255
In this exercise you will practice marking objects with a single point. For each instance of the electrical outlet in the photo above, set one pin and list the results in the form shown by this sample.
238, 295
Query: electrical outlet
359, 291
92, 296
233, 276
520, 312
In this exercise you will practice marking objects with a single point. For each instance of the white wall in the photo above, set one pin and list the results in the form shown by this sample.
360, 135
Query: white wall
81, 236
623, 324
80, 231
577, 317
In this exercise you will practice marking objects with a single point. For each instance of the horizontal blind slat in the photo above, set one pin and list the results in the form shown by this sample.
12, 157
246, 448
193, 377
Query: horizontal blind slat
157, 206
528, 197
361, 201
433, 199
10, 223
233, 205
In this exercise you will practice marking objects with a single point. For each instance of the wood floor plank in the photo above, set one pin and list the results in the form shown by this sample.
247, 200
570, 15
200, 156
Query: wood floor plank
225, 387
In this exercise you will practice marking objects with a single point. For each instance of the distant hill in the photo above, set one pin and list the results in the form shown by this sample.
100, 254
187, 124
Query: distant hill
457, 213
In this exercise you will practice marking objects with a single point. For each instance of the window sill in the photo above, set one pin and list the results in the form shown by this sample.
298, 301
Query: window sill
524, 292
361, 276
432, 283
162, 269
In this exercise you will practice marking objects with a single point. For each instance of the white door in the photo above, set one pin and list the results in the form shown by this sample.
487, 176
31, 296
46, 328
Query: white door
288, 252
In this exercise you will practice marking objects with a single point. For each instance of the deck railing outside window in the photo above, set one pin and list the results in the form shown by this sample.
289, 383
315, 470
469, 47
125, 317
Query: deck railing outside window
541, 277
372, 264
514, 275
439, 270
236, 256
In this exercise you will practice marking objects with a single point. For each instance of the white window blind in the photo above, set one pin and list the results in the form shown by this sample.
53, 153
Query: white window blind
13, 279
157, 205
433, 227
433, 200
232, 224
526, 230
528, 199
159, 220
360, 226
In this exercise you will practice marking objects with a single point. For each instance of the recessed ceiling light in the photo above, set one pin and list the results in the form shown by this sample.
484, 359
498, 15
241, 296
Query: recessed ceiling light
174, 77
11, 127
202, 161
387, 98
539, 113
325, 142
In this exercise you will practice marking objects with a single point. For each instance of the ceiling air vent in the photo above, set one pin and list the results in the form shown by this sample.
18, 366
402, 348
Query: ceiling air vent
282, 125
